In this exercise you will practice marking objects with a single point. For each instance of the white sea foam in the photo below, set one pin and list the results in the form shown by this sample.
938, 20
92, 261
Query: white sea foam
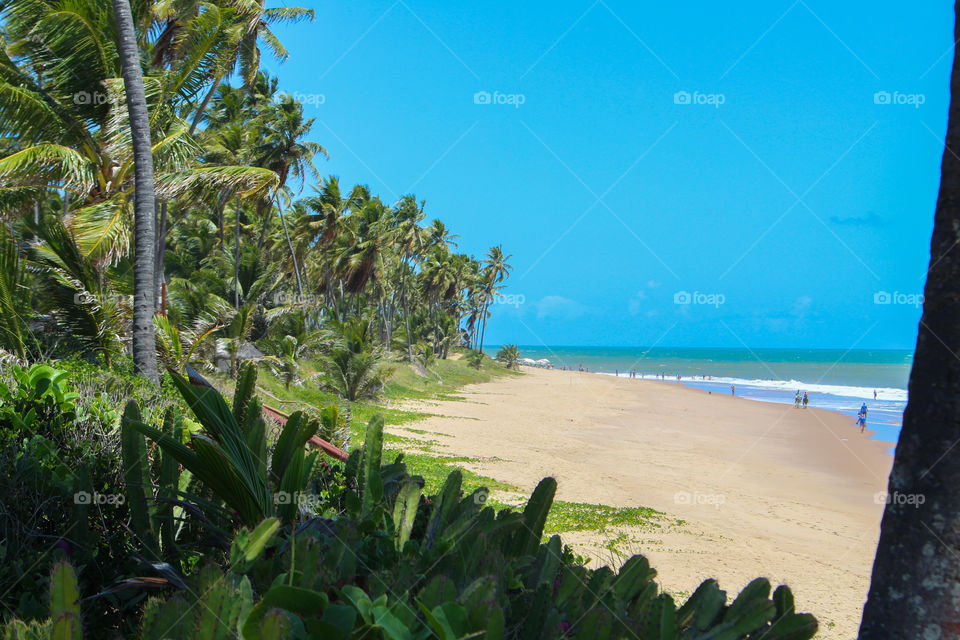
866, 393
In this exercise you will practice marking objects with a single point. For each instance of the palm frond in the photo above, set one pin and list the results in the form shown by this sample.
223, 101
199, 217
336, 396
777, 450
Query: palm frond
243, 181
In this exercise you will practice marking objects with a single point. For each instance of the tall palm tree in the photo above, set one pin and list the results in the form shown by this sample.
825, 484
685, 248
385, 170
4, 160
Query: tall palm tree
253, 20
144, 336
495, 271
916, 573
410, 240
286, 152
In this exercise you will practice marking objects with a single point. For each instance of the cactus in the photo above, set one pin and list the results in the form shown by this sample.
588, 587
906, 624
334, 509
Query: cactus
243, 392
223, 602
661, 620
405, 511
137, 478
443, 505
527, 539
64, 603
373, 450
545, 569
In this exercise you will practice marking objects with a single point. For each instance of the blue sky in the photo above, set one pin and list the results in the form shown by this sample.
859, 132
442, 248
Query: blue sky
785, 196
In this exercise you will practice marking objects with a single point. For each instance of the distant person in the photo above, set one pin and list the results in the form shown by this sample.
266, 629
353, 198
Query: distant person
863, 408
733, 389
874, 394
796, 400
862, 420
806, 400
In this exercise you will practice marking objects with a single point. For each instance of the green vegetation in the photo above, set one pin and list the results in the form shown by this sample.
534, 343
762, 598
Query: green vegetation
365, 548
509, 355
147, 502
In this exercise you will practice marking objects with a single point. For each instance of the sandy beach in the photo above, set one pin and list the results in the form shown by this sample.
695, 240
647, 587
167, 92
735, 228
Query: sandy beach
759, 489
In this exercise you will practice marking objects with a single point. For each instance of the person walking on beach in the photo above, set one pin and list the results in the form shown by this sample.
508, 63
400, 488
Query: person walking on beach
862, 417
733, 390
806, 400
796, 400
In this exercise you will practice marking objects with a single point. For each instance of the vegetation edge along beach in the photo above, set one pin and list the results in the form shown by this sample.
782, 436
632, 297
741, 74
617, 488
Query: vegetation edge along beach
232, 406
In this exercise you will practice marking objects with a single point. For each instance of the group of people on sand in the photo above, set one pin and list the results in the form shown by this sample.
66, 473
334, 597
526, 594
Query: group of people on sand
801, 399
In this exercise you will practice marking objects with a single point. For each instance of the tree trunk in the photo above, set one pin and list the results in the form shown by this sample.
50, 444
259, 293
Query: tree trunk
203, 105
916, 574
144, 340
293, 254
266, 223
406, 311
161, 253
236, 257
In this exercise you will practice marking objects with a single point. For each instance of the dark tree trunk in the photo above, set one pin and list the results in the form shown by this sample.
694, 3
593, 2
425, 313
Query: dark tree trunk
915, 587
144, 341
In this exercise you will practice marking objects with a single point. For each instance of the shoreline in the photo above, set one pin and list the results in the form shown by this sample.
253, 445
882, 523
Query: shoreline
752, 488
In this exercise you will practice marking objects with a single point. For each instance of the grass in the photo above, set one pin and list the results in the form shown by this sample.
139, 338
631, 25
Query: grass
581, 516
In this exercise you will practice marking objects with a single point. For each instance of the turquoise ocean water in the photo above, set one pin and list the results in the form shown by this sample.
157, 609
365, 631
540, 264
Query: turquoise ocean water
840, 380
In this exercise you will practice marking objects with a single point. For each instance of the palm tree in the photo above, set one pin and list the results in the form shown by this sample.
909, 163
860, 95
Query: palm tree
285, 152
253, 20
495, 271
916, 573
410, 241
144, 337
352, 367
509, 355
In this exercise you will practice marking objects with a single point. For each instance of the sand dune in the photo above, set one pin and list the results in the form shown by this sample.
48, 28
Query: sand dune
763, 489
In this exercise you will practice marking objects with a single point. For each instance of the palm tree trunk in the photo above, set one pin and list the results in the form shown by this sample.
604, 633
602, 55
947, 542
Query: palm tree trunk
203, 105
161, 252
406, 311
266, 224
144, 340
916, 572
293, 254
236, 257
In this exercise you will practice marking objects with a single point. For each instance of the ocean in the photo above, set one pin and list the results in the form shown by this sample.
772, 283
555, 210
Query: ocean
836, 379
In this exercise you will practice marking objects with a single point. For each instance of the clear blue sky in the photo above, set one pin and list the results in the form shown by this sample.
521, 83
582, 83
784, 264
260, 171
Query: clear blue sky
798, 199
